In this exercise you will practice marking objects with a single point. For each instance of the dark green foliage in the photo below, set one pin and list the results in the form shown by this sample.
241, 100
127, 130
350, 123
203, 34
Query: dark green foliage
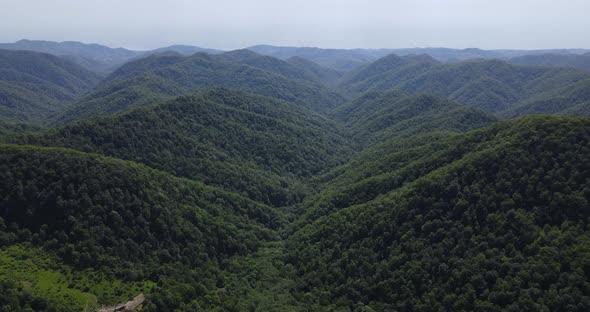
112, 211
377, 116
34, 85
124, 218
502, 227
399, 134
162, 76
14, 298
254, 145
492, 85
8, 126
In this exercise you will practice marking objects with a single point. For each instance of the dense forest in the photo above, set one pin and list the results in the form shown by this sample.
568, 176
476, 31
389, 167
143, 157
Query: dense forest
293, 179
493, 85
163, 76
258, 146
504, 226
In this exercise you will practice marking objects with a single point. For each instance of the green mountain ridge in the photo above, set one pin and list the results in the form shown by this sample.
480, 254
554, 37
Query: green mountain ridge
376, 116
122, 218
256, 145
487, 231
34, 86
163, 76
97, 58
401, 136
492, 85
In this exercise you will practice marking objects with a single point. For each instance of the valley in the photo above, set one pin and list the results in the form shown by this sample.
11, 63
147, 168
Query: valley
293, 179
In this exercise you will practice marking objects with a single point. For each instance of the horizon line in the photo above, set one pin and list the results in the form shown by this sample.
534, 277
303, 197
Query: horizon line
286, 46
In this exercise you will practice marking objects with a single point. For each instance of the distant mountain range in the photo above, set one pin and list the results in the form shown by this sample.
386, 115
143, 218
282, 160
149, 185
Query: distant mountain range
347, 59
158, 77
580, 61
95, 57
33, 86
103, 59
493, 85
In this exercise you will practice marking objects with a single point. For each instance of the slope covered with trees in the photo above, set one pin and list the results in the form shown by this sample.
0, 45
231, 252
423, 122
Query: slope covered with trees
381, 115
492, 85
503, 226
319, 73
33, 86
396, 135
572, 99
255, 145
163, 76
126, 221
9, 126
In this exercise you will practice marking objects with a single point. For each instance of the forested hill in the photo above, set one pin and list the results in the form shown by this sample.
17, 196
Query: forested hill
9, 126
400, 137
254, 145
325, 75
126, 223
163, 76
571, 99
33, 86
378, 116
492, 85
502, 226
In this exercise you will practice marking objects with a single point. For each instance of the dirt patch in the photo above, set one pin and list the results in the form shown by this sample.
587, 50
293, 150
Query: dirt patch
129, 306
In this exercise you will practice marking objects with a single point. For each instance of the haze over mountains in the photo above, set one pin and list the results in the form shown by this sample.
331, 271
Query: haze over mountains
294, 179
96, 57
104, 59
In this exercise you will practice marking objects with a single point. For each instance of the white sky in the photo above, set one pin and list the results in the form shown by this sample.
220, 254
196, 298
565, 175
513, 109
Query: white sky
230, 24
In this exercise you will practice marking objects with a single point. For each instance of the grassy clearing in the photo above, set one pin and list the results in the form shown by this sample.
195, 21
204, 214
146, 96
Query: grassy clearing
43, 275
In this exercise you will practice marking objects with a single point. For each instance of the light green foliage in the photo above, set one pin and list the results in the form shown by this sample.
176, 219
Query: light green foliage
43, 275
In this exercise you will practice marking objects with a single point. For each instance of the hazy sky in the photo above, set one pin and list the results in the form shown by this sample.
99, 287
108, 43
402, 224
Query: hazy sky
228, 24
